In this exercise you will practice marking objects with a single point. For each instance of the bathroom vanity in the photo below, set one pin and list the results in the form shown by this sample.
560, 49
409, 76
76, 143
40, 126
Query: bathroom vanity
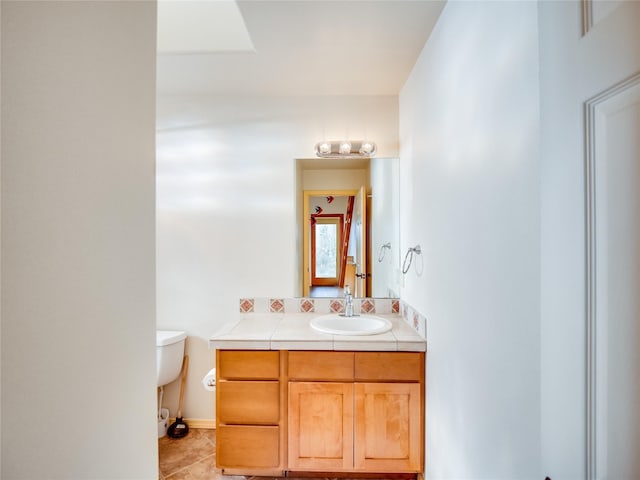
293, 401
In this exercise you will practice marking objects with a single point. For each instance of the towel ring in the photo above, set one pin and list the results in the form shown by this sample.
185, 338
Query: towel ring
383, 250
409, 256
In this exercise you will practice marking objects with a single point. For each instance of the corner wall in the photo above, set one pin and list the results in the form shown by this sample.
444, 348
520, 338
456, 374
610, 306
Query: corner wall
78, 237
470, 193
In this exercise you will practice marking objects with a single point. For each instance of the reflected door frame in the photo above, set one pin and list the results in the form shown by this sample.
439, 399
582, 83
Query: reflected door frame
360, 227
329, 218
306, 231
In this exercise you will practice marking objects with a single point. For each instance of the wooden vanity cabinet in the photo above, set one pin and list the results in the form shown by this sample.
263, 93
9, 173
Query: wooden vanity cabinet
368, 420
281, 412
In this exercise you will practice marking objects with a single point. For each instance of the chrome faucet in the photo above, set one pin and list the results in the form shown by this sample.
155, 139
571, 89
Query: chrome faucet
348, 302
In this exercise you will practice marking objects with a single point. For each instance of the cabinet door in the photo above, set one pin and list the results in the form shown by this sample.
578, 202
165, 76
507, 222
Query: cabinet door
388, 427
320, 426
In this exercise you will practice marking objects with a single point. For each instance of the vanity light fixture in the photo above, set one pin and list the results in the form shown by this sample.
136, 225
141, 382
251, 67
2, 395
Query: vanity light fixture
345, 148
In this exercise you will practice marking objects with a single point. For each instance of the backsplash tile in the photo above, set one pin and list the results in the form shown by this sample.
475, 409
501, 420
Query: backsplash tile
367, 306
276, 305
261, 304
246, 305
395, 306
291, 305
336, 305
413, 318
307, 305
322, 305
416, 321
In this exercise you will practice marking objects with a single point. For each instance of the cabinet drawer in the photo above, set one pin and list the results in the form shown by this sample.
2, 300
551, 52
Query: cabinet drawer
248, 364
389, 366
248, 402
247, 447
321, 365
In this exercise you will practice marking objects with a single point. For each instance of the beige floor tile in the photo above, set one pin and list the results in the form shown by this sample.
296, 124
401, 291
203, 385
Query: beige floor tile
176, 454
183, 474
205, 469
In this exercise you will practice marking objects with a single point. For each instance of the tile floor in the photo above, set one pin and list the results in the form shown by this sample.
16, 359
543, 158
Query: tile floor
192, 457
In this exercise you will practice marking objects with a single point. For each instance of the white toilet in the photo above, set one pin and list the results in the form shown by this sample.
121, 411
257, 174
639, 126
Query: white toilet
169, 356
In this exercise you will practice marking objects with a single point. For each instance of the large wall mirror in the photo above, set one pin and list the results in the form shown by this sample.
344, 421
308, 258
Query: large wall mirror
348, 230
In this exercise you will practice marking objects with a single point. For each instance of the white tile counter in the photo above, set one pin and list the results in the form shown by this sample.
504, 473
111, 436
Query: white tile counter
291, 331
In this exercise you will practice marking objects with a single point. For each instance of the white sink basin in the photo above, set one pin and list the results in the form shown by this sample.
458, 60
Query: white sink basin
337, 324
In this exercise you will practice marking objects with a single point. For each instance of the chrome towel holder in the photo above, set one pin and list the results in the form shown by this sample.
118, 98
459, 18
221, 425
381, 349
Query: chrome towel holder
408, 258
383, 251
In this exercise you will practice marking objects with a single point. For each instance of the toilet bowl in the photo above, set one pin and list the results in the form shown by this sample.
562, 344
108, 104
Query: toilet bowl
169, 355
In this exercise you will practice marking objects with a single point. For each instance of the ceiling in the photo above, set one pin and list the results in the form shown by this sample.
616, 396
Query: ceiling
291, 47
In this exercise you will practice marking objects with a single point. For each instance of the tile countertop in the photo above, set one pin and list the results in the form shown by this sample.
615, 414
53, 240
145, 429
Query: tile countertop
291, 331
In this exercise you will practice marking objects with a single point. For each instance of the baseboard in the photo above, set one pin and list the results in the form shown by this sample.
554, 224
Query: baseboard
197, 422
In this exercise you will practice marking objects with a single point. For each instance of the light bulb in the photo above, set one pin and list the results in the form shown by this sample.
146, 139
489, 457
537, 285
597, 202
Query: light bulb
323, 148
345, 148
367, 148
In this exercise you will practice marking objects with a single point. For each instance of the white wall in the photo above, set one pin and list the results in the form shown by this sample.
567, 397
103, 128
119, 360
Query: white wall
573, 68
78, 296
226, 206
469, 183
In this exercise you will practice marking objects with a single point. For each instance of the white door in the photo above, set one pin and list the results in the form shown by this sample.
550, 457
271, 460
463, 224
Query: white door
616, 197
589, 312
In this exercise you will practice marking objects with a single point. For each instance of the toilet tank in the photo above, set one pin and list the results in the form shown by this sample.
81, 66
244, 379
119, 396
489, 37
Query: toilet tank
169, 355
